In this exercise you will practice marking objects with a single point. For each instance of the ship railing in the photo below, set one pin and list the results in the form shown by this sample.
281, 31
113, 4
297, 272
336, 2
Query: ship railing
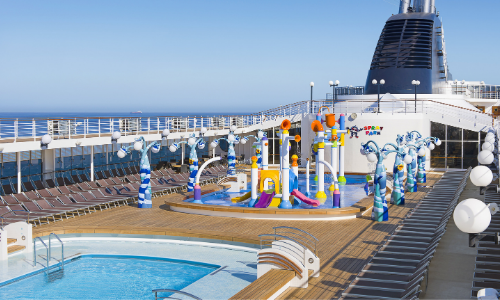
434, 110
14, 130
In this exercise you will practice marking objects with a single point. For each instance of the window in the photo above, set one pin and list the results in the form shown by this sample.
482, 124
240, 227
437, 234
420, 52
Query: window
459, 147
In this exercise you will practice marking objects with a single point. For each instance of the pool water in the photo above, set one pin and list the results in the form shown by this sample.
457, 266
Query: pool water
108, 277
350, 193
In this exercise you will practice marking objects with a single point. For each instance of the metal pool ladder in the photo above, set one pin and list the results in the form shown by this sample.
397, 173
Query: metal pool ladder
49, 251
174, 292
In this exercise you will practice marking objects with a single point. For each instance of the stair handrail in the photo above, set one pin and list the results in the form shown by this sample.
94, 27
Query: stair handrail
34, 252
12, 212
156, 291
308, 239
62, 249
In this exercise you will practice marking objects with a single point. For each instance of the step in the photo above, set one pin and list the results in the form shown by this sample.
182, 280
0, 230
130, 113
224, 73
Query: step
12, 249
11, 241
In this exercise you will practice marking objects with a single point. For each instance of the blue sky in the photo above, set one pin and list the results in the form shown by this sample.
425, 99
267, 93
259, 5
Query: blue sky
210, 56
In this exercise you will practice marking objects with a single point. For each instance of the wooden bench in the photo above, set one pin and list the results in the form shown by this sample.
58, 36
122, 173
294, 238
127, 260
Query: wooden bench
267, 285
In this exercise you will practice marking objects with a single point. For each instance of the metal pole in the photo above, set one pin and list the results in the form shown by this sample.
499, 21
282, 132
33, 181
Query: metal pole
18, 159
311, 99
378, 98
91, 163
415, 98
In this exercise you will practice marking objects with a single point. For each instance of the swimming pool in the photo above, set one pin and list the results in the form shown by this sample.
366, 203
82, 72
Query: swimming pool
108, 277
350, 193
238, 263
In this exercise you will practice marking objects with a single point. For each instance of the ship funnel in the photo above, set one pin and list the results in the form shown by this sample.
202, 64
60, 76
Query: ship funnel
403, 6
424, 6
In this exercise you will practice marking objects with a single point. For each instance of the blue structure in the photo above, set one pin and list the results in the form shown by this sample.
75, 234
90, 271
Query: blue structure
144, 197
374, 153
231, 154
398, 191
192, 142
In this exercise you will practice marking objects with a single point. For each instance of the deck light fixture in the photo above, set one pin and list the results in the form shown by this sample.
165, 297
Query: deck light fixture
378, 84
115, 136
46, 139
481, 176
473, 216
332, 84
312, 85
415, 84
165, 133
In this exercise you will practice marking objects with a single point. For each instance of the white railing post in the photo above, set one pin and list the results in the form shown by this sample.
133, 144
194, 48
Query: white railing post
99, 126
33, 129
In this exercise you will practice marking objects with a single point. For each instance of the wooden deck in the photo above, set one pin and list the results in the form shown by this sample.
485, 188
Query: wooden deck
344, 246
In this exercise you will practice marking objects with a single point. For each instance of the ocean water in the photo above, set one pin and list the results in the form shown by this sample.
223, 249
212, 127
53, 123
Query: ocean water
69, 115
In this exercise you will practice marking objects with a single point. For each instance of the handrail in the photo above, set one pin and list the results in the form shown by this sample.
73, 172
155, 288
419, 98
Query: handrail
300, 230
62, 249
172, 291
12, 212
34, 253
268, 243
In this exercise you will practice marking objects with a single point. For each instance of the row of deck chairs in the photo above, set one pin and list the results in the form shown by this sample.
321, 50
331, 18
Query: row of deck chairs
399, 267
487, 271
64, 198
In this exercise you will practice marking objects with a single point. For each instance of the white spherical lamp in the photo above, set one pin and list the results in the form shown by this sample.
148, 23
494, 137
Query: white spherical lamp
203, 130
472, 216
485, 157
362, 151
172, 148
191, 141
438, 142
421, 152
231, 138
121, 153
260, 134
213, 144
155, 149
488, 146
490, 134
165, 132
407, 159
116, 135
372, 157
46, 139
481, 176
431, 146
244, 141
233, 127
138, 146
490, 139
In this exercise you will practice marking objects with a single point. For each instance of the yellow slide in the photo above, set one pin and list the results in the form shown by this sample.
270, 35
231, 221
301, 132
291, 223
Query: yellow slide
244, 197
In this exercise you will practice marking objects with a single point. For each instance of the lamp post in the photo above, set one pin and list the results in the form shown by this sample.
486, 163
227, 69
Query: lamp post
374, 154
144, 197
312, 85
415, 84
192, 142
378, 84
231, 155
332, 84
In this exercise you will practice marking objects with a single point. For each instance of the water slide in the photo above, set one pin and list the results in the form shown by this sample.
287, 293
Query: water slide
265, 199
242, 198
304, 199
